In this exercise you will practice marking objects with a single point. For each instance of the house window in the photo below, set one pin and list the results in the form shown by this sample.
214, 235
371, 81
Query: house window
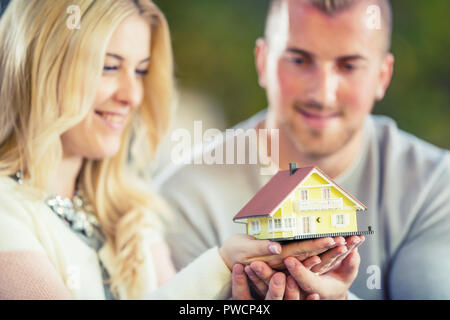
326, 193
303, 195
275, 225
255, 227
340, 220
289, 223
278, 225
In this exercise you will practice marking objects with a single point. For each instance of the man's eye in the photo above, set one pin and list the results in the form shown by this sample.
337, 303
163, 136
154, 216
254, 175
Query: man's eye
348, 67
298, 60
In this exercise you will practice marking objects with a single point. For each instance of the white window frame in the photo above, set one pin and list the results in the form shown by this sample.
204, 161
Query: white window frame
275, 225
255, 226
304, 195
278, 224
326, 193
289, 223
311, 224
345, 219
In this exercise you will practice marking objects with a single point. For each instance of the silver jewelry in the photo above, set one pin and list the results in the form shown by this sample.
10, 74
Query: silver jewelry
79, 215
18, 177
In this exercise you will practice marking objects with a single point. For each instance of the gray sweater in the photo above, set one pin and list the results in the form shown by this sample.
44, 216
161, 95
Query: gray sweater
403, 181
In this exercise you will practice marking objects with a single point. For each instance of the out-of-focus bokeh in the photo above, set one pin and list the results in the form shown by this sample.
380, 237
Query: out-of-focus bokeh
213, 42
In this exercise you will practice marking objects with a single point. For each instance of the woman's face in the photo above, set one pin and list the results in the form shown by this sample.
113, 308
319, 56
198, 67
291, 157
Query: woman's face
118, 96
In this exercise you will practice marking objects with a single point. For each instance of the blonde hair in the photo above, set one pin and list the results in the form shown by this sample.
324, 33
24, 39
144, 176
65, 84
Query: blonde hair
48, 76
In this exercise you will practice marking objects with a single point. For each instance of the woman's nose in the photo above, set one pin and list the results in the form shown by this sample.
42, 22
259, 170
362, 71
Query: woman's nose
130, 89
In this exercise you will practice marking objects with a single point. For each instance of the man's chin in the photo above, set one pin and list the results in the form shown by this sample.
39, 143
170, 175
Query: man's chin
321, 147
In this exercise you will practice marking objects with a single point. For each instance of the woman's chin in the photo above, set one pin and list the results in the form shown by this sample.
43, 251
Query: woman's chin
104, 153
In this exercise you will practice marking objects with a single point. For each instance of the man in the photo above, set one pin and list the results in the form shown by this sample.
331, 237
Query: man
323, 65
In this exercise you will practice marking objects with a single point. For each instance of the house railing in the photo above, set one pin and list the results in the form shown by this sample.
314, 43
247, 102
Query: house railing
319, 204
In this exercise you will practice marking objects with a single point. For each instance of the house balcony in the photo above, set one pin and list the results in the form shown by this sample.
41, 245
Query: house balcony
319, 204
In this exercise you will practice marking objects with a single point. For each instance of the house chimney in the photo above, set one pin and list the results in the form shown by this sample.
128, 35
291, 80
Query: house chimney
292, 168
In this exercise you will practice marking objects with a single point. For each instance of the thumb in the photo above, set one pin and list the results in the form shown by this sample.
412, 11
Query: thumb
267, 248
259, 249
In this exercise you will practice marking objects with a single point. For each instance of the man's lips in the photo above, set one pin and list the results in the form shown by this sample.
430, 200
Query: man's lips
310, 113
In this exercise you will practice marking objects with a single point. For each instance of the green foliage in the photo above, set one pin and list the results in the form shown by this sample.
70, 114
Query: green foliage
214, 40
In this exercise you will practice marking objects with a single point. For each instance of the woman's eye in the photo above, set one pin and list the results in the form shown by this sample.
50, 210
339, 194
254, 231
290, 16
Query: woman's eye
141, 72
110, 68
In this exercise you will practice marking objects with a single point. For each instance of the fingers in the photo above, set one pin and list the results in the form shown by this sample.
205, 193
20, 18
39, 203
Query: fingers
259, 285
277, 287
269, 283
308, 248
292, 290
263, 271
311, 262
239, 289
328, 259
304, 278
349, 266
332, 258
313, 296
352, 244
261, 249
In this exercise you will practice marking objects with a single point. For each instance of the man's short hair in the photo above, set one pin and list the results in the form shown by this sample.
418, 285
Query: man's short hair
332, 7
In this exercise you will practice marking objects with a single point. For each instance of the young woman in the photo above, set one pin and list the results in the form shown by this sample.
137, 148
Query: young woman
83, 84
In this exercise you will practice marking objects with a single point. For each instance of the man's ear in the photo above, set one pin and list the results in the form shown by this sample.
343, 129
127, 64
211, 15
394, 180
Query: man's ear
260, 60
387, 70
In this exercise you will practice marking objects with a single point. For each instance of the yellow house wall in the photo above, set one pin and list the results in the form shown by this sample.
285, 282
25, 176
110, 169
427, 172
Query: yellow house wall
324, 226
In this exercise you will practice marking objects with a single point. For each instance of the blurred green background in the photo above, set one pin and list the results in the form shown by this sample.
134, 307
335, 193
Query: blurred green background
213, 42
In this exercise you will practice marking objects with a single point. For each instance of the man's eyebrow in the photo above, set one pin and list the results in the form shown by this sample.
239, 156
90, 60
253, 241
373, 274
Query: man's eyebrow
118, 57
309, 54
300, 51
352, 57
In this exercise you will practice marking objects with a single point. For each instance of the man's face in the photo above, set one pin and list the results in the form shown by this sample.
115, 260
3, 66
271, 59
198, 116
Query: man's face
322, 74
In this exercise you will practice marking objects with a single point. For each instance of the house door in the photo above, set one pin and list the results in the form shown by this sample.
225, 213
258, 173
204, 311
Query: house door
306, 225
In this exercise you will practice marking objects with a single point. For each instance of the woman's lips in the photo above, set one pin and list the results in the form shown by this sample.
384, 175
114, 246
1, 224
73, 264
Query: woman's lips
113, 120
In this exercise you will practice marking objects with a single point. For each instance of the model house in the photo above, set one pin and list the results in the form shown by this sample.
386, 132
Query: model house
301, 204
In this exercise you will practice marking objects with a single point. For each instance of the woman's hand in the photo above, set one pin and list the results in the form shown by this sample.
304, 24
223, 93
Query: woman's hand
242, 248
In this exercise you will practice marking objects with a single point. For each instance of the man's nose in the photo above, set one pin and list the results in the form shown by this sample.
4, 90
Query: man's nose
324, 86
129, 92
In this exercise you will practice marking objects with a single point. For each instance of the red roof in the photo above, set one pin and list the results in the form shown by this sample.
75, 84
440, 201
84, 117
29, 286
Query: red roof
270, 196
276, 190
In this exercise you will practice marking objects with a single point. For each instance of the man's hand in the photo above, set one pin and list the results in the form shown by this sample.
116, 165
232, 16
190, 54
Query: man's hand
332, 285
301, 250
260, 273
333, 257
276, 288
